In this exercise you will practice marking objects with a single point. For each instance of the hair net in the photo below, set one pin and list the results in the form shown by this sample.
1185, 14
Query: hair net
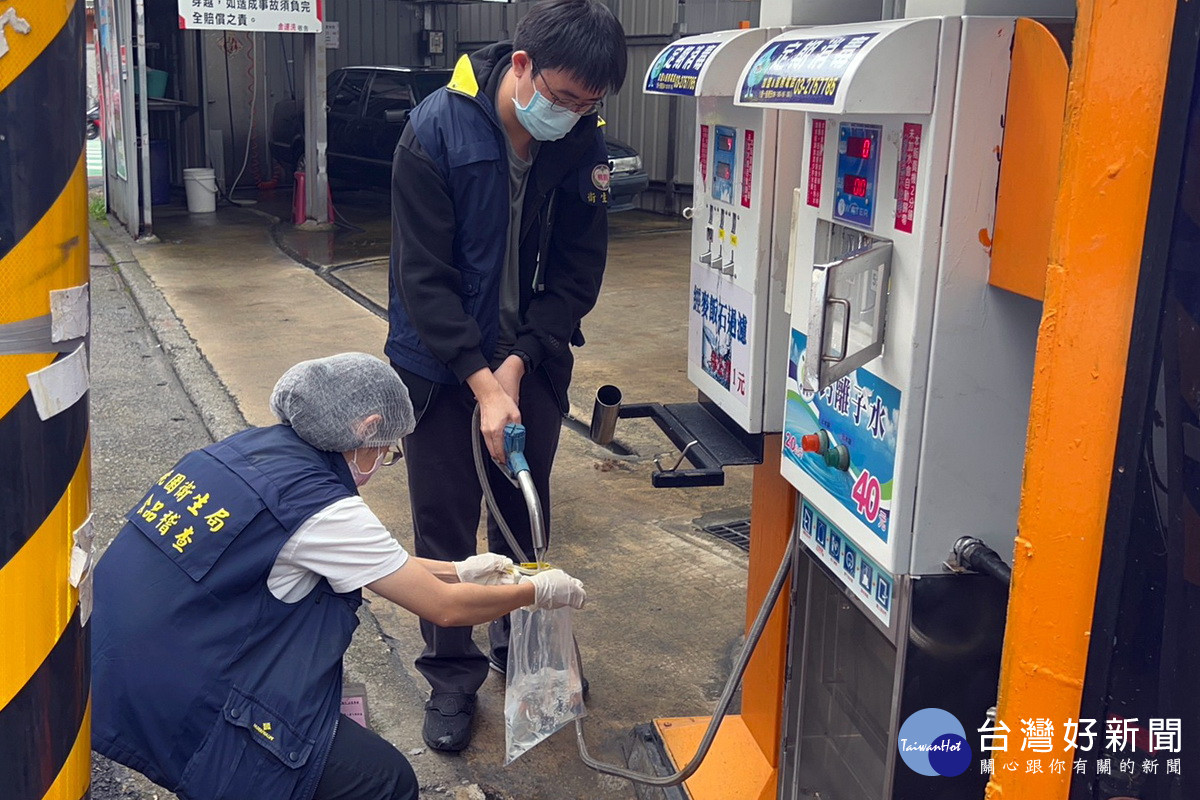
328, 400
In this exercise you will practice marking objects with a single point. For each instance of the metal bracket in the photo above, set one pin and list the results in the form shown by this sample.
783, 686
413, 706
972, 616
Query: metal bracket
707, 439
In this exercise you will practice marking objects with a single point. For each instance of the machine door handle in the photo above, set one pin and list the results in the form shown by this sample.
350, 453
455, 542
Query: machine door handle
841, 356
864, 275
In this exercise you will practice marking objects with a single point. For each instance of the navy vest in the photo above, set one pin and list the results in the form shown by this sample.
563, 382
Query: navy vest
202, 680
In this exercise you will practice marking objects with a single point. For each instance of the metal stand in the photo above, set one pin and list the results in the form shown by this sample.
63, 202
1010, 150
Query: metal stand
706, 437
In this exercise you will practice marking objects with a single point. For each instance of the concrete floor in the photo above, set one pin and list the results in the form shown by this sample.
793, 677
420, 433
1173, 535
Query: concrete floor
666, 603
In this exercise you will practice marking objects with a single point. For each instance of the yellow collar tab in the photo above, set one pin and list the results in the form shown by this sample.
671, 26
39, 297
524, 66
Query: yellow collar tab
463, 80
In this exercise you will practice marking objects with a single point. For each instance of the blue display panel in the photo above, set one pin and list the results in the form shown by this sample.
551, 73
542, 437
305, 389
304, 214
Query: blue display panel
723, 156
857, 173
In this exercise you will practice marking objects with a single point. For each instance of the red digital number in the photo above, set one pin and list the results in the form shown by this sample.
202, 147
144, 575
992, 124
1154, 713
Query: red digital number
854, 186
867, 495
858, 147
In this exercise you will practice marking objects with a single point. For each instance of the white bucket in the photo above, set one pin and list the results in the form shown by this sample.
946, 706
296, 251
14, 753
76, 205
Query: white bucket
201, 186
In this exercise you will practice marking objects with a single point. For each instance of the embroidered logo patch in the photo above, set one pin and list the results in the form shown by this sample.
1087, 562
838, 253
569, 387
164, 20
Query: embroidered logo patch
601, 177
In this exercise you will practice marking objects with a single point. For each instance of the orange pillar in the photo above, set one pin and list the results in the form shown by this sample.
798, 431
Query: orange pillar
772, 510
1114, 104
744, 760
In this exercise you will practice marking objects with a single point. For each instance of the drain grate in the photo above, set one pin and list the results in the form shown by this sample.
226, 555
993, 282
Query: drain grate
736, 532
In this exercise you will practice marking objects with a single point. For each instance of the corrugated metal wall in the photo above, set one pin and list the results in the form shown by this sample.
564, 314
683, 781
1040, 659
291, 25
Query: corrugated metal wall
370, 32
643, 121
374, 32
387, 31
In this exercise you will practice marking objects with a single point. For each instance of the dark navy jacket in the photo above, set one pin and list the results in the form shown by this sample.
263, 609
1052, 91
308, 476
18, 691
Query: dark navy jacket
450, 212
202, 679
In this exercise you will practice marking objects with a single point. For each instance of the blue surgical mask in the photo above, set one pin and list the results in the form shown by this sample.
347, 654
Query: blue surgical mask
545, 121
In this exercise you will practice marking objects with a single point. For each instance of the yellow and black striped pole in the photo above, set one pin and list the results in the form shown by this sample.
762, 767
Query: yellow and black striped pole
45, 475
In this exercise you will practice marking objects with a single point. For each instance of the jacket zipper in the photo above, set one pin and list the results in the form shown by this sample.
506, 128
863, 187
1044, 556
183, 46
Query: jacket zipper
539, 276
316, 779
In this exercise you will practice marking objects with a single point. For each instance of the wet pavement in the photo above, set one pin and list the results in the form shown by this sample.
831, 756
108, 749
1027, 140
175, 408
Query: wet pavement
228, 301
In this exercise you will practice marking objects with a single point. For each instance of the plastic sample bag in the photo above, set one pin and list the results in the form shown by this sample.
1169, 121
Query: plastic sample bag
544, 682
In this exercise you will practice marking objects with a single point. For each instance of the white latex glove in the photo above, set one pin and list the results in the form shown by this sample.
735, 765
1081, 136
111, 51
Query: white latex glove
487, 569
554, 588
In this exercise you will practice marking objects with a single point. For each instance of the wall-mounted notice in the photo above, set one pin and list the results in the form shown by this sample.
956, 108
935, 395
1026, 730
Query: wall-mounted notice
277, 16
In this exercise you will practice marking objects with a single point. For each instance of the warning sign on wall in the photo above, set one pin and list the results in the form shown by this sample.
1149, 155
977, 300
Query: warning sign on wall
279, 16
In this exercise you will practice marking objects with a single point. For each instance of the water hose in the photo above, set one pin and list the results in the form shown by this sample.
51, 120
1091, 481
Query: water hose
517, 471
731, 686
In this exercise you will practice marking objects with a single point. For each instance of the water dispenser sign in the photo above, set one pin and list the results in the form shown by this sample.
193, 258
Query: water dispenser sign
803, 70
816, 162
865, 579
747, 168
858, 412
704, 154
724, 312
678, 67
906, 176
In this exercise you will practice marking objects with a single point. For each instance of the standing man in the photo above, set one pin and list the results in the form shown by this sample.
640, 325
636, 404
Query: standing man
499, 239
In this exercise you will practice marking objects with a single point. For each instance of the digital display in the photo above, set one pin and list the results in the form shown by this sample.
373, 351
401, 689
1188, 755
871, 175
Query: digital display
854, 185
725, 143
858, 147
724, 172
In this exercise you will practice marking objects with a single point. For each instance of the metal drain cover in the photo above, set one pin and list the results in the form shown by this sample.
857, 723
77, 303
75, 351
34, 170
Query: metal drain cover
736, 532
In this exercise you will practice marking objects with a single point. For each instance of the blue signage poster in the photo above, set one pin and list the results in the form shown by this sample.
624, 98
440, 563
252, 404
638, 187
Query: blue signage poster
678, 66
802, 70
866, 580
858, 416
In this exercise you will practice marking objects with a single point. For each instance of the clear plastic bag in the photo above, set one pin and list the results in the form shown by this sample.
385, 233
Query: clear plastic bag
544, 682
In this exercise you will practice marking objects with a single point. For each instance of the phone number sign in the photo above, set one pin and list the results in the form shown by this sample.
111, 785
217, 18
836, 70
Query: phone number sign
278, 16
803, 70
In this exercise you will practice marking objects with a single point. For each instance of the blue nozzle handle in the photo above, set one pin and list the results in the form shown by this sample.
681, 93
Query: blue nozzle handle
514, 447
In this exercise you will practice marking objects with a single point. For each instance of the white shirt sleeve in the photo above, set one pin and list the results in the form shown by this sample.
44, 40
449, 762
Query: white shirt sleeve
345, 543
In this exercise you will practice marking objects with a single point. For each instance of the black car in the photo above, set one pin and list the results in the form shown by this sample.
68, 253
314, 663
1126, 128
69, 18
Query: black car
367, 110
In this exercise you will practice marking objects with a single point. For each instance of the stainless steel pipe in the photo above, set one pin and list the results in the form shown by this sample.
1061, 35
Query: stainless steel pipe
605, 411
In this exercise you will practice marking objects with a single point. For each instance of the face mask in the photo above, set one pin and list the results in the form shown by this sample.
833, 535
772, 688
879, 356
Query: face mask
359, 476
545, 121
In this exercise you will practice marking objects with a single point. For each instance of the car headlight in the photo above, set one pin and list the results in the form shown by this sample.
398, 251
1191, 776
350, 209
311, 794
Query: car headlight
626, 164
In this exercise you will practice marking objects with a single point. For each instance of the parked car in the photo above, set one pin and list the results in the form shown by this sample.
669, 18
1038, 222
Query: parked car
628, 178
367, 110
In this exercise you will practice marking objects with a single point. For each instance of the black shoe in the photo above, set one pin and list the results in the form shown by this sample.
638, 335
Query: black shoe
448, 721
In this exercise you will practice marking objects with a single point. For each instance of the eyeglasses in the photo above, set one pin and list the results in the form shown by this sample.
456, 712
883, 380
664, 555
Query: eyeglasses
393, 456
577, 107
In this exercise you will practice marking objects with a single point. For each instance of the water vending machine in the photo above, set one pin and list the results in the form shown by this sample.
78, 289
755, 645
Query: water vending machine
736, 315
905, 393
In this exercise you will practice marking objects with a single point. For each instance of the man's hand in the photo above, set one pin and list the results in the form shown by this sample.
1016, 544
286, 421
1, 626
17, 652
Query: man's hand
486, 569
509, 375
496, 410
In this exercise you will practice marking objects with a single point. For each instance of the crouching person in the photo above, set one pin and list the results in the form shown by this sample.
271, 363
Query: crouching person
225, 604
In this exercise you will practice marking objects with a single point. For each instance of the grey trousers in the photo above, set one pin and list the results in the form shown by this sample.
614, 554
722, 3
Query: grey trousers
446, 499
